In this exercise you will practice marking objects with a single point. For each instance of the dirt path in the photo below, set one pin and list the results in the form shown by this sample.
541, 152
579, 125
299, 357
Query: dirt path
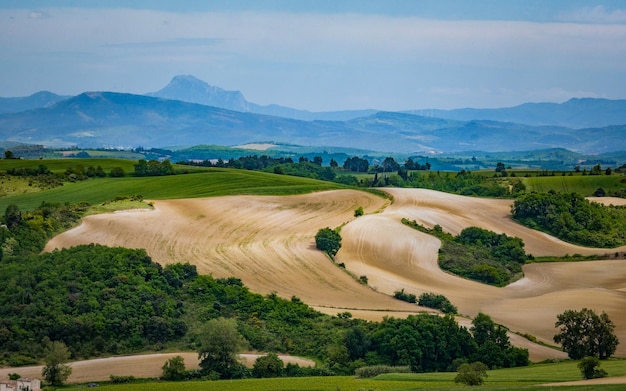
268, 242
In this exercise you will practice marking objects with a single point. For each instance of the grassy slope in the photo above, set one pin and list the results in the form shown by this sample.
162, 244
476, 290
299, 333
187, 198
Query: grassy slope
585, 185
210, 182
525, 378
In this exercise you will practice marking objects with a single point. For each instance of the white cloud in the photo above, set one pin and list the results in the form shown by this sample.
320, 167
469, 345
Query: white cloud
598, 14
354, 58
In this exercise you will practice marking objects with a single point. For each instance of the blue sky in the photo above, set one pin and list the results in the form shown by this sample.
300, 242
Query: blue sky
322, 55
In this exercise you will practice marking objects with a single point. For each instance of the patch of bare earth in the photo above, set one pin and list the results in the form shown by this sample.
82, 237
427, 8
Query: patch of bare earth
268, 242
141, 366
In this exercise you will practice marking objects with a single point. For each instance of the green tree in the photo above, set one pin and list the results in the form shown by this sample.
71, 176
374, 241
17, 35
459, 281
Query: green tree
220, 343
12, 216
590, 368
117, 172
269, 365
174, 369
328, 240
359, 211
9, 154
471, 374
585, 333
55, 372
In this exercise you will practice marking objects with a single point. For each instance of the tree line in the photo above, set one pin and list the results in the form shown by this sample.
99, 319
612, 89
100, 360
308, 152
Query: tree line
573, 218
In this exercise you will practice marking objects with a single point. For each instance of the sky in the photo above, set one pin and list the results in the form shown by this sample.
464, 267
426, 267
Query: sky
322, 55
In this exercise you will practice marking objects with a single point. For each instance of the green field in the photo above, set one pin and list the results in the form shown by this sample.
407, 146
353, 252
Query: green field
208, 182
584, 185
525, 378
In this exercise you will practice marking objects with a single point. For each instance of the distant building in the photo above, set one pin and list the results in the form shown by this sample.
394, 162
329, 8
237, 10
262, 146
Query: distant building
21, 385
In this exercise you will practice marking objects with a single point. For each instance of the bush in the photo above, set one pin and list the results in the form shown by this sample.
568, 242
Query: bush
375, 370
269, 365
438, 302
402, 295
328, 240
174, 369
471, 374
359, 211
590, 368
121, 379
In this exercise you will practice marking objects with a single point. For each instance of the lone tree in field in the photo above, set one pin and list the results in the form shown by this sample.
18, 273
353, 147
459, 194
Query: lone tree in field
583, 333
328, 240
471, 374
220, 344
55, 372
174, 369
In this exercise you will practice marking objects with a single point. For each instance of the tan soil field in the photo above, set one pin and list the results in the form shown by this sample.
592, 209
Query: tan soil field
268, 242
142, 366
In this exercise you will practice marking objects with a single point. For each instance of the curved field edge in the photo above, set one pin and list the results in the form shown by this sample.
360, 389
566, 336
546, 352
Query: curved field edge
207, 183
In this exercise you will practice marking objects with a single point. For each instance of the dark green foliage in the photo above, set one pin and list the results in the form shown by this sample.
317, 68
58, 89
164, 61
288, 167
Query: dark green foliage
28, 231
573, 218
328, 240
117, 172
494, 347
220, 343
478, 254
423, 342
439, 302
93, 298
590, 368
356, 164
153, 168
269, 365
402, 295
471, 374
121, 379
358, 212
584, 333
306, 170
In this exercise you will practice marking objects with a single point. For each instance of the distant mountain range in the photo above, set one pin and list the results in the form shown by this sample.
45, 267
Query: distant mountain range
34, 101
575, 113
190, 89
189, 112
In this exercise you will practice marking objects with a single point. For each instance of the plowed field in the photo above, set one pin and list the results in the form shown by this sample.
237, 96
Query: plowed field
268, 242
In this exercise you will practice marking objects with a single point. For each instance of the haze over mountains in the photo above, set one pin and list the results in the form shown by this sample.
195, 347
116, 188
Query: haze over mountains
189, 111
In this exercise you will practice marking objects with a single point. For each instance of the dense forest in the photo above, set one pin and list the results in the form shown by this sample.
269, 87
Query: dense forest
100, 300
572, 218
479, 254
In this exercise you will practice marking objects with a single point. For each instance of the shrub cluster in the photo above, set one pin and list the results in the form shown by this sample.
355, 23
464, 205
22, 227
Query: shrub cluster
479, 254
439, 302
402, 295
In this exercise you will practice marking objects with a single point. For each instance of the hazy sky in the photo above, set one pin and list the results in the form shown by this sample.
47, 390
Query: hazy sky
322, 54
